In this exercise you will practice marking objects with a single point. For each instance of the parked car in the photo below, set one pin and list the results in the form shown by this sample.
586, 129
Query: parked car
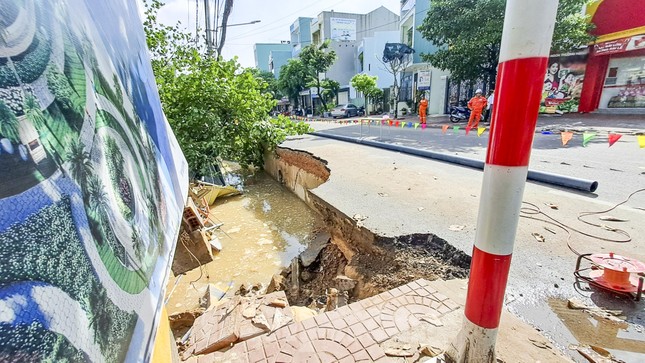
344, 110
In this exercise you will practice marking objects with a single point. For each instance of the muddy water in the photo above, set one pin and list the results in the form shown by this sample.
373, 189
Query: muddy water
625, 341
264, 229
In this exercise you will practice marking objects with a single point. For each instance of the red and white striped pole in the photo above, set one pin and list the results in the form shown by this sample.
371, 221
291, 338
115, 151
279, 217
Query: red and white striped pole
524, 52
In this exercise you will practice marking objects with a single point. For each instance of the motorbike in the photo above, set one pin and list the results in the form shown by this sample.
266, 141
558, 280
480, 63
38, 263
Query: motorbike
460, 113
361, 111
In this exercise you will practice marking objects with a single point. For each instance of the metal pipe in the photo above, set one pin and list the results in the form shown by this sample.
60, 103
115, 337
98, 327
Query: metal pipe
564, 181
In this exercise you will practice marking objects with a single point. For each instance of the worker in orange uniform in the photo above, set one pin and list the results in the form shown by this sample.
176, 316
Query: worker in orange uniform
423, 107
476, 105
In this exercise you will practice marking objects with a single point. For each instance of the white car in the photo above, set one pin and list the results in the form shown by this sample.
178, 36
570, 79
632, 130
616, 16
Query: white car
344, 110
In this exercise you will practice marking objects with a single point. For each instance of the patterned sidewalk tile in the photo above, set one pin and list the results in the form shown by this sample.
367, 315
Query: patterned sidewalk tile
352, 333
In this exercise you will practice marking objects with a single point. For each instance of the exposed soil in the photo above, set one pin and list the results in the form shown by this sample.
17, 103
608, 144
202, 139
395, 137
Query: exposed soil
305, 161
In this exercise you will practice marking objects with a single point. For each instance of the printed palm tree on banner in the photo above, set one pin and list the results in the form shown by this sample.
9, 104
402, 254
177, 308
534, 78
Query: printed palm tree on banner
8, 124
98, 201
101, 319
80, 164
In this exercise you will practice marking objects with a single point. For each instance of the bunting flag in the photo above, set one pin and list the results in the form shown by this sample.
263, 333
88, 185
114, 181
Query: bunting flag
409, 124
613, 138
390, 122
444, 128
467, 130
641, 141
586, 137
416, 125
480, 131
566, 137
547, 133
396, 124
455, 129
423, 126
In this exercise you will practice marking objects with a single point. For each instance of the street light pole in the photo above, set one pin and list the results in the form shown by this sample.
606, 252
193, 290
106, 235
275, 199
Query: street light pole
524, 52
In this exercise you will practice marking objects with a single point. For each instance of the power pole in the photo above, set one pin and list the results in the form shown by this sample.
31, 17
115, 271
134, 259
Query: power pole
526, 42
209, 31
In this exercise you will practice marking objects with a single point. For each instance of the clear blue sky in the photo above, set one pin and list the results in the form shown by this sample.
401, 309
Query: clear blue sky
276, 16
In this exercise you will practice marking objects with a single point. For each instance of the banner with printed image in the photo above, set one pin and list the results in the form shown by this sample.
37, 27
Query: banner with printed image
563, 83
92, 183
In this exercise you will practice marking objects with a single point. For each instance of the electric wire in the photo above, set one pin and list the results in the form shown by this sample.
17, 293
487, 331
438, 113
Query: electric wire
532, 211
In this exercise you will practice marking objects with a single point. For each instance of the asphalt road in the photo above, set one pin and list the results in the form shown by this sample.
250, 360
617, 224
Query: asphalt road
619, 170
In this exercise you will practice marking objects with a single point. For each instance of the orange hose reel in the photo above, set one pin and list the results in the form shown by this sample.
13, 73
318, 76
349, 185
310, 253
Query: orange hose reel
613, 272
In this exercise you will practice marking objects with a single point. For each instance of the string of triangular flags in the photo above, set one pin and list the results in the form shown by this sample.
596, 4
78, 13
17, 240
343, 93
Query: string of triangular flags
566, 136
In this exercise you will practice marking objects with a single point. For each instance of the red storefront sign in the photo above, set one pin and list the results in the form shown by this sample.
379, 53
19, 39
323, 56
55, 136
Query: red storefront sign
620, 45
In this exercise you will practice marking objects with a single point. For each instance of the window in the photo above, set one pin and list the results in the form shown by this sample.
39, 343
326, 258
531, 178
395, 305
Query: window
612, 76
409, 36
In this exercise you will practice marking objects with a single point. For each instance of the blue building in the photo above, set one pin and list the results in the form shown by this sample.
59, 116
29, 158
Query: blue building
278, 58
262, 53
300, 35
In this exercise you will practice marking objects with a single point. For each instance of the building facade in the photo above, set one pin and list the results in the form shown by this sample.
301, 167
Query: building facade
420, 77
278, 58
262, 53
614, 76
300, 35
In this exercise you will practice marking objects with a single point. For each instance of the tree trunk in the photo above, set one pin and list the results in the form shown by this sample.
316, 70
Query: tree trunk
320, 97
228, 7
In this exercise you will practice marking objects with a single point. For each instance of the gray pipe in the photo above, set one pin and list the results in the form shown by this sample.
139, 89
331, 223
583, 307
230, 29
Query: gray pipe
589, 186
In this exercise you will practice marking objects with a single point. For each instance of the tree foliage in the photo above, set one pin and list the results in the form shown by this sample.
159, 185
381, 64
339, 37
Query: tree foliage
270, 84
330, 90
469, 33
215, 108
365, 84
317, 59
292, 80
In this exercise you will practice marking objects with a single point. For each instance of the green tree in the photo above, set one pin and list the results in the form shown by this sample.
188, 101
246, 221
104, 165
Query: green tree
317, 59
469, 33
8, 123
365, 84
270, 82
292, 80
214, 107
330, 90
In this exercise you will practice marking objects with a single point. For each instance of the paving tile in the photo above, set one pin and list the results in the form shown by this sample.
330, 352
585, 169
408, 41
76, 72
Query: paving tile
271, 349
375, 352
386, 296
333, 315
358, 329
348, 359
354, 347
439, 296
405, 289
361, 355
370, 324
391, 331
396, 292
343, 310
452, 305
443, 309
295, 328
321, 319
282, 333
333, 348
252, 344
355, 307
257, 355
283, 358
379, 335
309, 323
313, 334
374, 311
339, 323
366, 340
347, 340
414, 285
362, 315
351, 319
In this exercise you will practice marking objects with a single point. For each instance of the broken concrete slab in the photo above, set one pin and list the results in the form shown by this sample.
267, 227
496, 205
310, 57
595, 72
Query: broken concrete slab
238, 319
308, 256
193, 250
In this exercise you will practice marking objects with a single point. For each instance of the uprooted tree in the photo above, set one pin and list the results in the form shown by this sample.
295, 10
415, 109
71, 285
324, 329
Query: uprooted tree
215, 108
